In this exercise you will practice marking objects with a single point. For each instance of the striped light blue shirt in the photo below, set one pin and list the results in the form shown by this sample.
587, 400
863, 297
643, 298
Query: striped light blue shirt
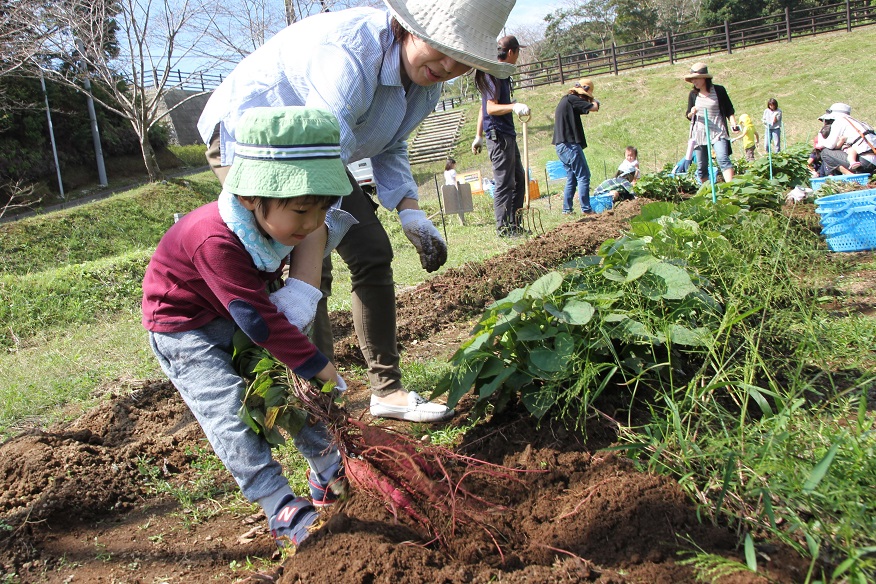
346, 62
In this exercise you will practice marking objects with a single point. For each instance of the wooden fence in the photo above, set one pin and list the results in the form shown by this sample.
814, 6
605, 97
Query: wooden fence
723, 38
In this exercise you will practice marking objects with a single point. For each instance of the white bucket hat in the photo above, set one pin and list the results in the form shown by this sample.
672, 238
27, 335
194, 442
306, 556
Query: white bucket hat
465, 30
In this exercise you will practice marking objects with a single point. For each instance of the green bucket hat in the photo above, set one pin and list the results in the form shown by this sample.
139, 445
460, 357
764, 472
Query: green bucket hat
286, 152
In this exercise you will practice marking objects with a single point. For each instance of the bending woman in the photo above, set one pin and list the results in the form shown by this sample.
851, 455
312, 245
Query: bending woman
380, 73
712, 100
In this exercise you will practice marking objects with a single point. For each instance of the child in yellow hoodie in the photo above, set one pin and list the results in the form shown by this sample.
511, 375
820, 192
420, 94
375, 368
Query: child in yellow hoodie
750, 138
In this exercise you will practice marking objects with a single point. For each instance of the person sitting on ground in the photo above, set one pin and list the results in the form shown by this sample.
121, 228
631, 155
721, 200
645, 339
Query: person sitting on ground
847, 134
631, 158
209, 278
750, 137
622, 186
813, 162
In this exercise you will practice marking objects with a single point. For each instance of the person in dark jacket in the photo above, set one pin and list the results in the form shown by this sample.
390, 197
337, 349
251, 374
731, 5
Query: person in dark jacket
708, 99
570, 143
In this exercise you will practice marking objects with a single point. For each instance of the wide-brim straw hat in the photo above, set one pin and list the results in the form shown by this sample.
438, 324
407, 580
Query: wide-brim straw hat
698, 71
584, 87
285, 152
465, 30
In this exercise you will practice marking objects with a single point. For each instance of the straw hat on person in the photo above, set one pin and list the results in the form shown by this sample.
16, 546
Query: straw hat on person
584, 87
465, 30
285, 152
698, 71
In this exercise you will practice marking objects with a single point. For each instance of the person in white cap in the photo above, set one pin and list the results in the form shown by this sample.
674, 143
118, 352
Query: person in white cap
850, 146
380, 72
496, 121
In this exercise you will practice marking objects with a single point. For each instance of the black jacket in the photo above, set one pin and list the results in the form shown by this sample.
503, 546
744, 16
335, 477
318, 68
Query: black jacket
567, 120
725, 106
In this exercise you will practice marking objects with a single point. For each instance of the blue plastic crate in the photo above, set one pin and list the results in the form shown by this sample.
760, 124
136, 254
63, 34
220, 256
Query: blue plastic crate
601, 203
861, 179
856, 232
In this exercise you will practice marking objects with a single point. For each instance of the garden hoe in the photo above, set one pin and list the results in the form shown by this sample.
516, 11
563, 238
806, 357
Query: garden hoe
527, 217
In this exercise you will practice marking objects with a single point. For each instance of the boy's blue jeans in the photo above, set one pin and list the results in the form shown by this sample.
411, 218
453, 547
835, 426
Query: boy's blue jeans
198, 362
577, 175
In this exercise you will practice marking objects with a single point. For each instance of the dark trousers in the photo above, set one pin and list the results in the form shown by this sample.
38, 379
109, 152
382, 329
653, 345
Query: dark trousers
509, 177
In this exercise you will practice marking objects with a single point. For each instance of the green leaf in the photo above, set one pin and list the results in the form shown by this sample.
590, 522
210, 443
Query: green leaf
490, 388
531, 332
547, 360
576, 312
564, 345
677, 280
243, 414
545, 286
276, 396
681, 335
639, 265
538, 401
820, 469
463, 381
750, 555
653, 211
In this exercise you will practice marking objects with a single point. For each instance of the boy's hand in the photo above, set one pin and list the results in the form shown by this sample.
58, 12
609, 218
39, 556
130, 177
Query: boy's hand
424, 236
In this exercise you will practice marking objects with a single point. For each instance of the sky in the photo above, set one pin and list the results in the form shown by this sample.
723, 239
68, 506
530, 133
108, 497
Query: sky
531, 13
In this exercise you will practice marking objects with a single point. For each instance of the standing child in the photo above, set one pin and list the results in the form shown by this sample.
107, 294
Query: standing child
209, 276
450, 172
750, 137
772, 119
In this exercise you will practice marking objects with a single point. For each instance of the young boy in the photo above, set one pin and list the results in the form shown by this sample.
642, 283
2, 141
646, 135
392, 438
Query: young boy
209, 277
750, 137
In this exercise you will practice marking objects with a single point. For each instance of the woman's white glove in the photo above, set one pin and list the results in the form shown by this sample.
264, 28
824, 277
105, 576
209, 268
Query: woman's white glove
297, 300
340, 384
338, 223
477, 144
424, 236
521, 109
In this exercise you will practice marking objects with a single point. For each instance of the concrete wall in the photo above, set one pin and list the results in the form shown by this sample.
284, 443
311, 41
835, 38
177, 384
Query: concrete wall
183, 120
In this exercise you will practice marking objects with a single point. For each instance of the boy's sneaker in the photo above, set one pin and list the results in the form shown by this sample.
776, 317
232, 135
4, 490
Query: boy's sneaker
327, 495
293, 522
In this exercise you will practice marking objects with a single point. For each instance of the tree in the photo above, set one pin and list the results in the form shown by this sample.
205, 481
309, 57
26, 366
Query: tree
126, 47
234, 30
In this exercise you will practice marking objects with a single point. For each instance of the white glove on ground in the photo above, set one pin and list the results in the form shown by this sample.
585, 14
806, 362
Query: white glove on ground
477, 144
338, 223
297, 300
521, 109
424, 236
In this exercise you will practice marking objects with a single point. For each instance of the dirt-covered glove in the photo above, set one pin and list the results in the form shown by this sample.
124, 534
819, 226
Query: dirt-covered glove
521, 109
338, 223
297, 300
424, 236
477, 144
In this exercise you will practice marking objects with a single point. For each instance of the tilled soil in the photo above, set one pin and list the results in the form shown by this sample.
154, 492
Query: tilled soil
77, 507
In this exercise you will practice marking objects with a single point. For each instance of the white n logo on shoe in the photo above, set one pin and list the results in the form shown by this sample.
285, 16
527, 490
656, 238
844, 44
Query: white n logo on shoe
286, 513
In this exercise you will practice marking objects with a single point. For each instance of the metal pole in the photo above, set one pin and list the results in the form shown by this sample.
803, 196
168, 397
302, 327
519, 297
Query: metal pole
440, 206
713, 178
52, 137
95, 133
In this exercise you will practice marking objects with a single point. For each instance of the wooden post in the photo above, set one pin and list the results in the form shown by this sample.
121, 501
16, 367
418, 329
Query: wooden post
727, 37
560, 67
848, 16
614, 57
669, 48
788, 23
